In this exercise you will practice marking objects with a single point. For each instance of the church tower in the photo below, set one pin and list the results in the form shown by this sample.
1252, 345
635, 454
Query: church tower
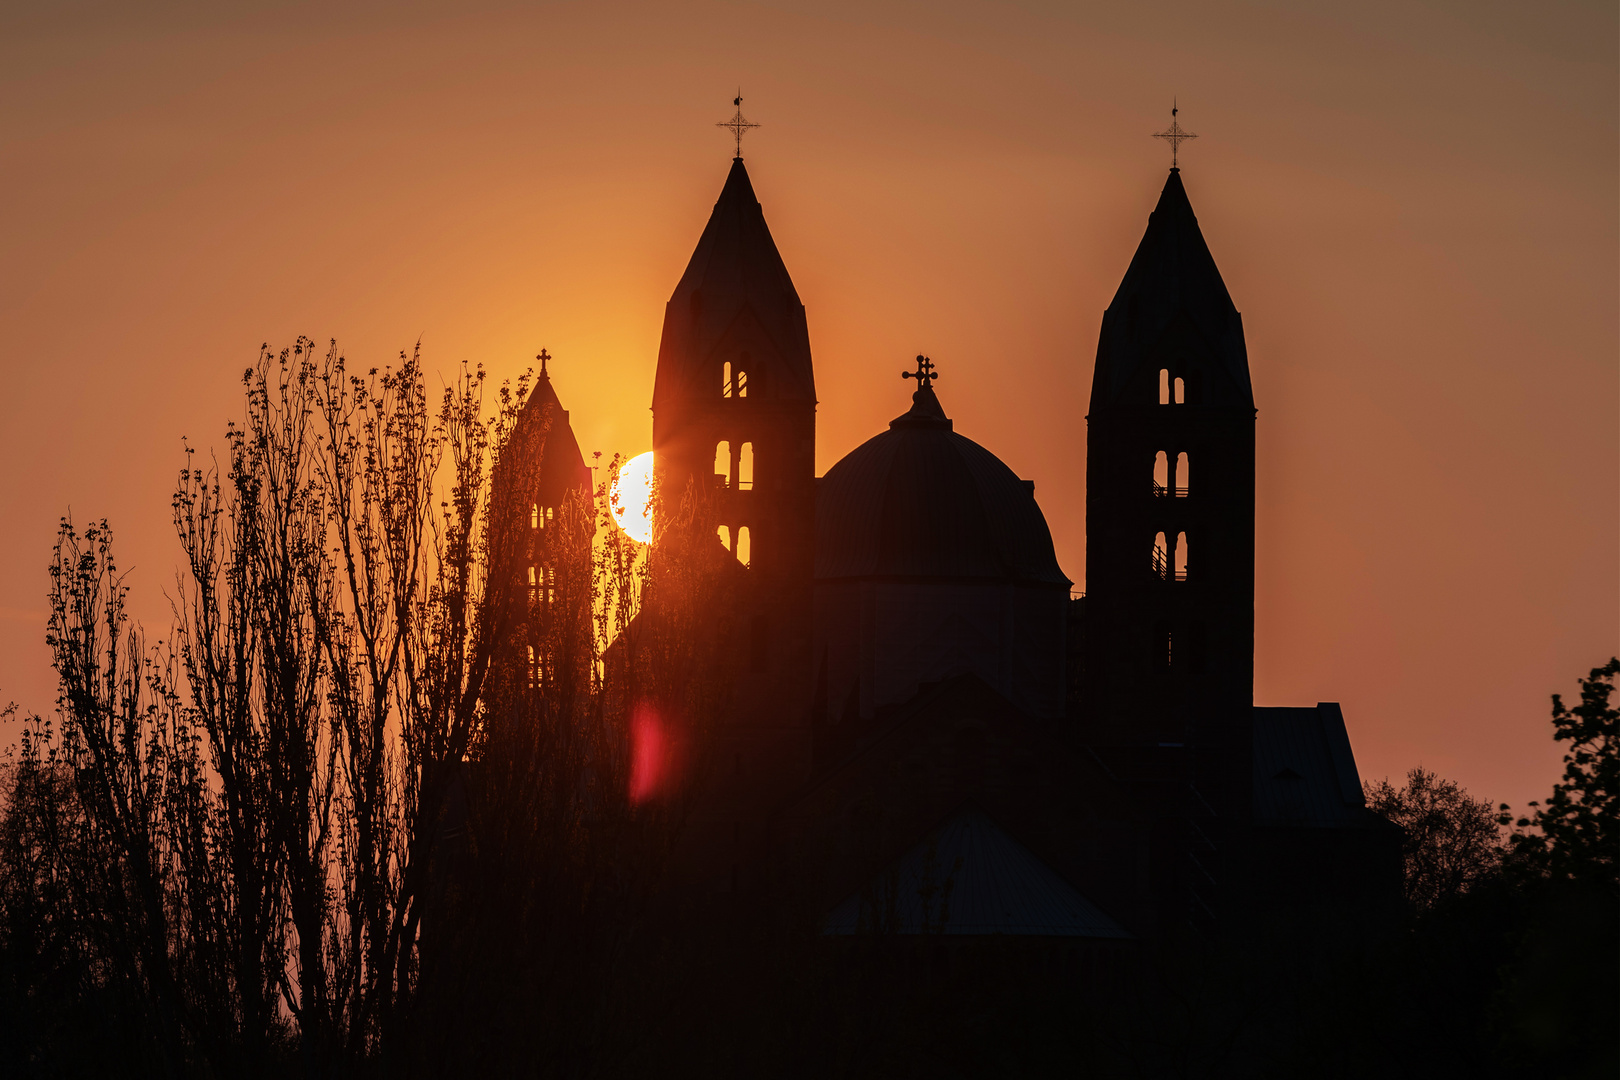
542, 523
1168, 681
734, 421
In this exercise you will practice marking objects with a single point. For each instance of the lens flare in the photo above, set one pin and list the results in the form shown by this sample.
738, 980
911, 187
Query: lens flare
649, 755
631, 497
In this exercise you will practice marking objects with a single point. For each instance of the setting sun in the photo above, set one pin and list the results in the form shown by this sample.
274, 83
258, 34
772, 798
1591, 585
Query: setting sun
631, 498
1176, 583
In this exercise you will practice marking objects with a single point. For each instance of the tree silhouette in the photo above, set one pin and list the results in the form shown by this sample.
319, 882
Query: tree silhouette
1577, 832
1451, 839
313, 824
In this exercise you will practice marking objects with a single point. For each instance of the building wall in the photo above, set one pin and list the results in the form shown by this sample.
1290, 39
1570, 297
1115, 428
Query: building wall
881, 640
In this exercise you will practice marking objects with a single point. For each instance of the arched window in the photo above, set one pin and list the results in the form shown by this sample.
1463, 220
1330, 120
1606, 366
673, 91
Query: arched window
1181, 556
1161, 473
542, 585
740, 379
1181, 474
1161, 556
722, 461
1164, 386
725, 379
743, 553
724, 532
1163, 647
539, 673
534, 515
745, 466
1181, 392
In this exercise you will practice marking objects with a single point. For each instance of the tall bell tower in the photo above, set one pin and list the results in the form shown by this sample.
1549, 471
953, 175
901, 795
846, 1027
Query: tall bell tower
734, 415
1168, 681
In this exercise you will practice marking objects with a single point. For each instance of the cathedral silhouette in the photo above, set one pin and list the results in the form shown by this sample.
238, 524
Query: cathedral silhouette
928, 731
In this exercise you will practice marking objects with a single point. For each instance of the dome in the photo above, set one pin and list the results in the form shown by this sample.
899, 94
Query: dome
920, 501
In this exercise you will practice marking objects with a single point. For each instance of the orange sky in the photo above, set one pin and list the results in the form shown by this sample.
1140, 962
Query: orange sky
1414, 206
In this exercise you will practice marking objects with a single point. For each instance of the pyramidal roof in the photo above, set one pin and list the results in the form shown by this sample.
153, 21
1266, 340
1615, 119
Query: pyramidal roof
735, 297
1171, 307
543, 447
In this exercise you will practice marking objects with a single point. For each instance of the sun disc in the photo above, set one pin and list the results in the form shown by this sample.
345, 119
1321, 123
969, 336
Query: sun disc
631, 497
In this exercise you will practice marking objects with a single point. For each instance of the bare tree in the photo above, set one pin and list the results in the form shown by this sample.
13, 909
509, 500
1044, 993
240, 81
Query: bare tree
336, 803
1452, 842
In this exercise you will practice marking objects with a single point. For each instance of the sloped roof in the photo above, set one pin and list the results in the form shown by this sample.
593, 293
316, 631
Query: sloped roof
1304, 771
970, 878
921, 501
1171, 305
736, 282
543, 449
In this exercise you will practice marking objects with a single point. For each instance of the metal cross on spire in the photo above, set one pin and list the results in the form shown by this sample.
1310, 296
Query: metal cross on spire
1175, 134
925, 373
738, 124
543, 357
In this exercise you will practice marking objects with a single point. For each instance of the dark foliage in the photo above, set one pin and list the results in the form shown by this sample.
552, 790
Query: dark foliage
1576, 835
1452, 841
333, 825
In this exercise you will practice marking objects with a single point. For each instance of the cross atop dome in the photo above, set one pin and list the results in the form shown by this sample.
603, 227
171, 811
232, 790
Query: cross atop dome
1175, 134
738, 124
925, 373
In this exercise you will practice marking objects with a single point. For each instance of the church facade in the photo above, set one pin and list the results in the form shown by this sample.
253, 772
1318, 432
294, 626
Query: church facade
929, 731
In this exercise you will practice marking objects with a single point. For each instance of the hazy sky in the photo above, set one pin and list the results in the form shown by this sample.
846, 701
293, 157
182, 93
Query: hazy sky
1414, 205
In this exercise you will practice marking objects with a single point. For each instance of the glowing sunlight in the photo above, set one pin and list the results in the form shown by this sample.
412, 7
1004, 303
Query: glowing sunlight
631, 497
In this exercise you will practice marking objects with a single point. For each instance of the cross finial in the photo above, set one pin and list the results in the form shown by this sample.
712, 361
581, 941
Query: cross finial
925, 373
1175, 134
543, 357
738, 124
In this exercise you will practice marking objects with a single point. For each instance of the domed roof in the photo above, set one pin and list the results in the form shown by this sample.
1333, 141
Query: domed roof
921, 501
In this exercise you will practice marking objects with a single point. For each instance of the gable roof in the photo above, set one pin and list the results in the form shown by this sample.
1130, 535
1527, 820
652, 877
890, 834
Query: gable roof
969, 877
1304, 770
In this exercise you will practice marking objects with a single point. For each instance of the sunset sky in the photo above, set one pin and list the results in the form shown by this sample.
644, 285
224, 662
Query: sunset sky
1414, 205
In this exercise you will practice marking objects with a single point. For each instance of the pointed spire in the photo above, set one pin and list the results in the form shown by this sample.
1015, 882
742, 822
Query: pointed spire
1172, 309
541, 399
542, 452
736, 297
